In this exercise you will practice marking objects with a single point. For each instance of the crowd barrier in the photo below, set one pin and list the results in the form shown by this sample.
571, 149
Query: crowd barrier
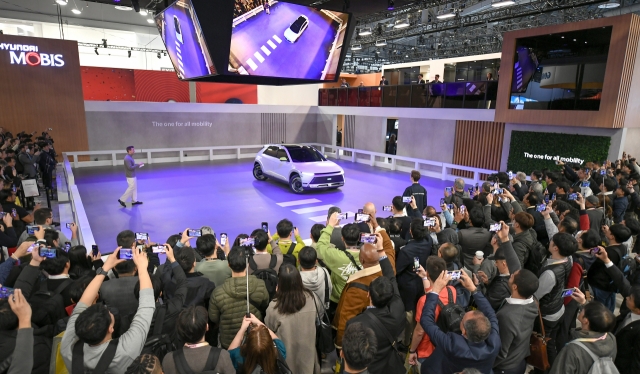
69, 197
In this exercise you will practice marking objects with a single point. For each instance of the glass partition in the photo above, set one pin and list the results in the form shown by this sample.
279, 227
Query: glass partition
389, 95
352, 96
364, 96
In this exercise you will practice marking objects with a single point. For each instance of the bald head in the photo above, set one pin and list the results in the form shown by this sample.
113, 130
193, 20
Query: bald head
369, 256
369, 208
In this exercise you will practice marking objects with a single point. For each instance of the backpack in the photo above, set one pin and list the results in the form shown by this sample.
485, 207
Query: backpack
535, 258
289, 258
269, 275
157, 343
601, 365
47, 306
77, 358
450, 314
209, 368
627, 265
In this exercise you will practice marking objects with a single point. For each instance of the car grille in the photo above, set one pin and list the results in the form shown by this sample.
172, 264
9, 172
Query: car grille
321, 179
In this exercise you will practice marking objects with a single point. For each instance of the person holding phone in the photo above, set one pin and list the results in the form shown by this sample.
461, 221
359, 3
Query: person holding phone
212, 267
130, 167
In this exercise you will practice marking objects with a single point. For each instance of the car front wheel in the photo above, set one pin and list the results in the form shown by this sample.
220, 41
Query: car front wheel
296, 184
257, 173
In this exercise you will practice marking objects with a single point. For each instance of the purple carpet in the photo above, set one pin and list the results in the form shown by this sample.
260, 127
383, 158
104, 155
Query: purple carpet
225, 196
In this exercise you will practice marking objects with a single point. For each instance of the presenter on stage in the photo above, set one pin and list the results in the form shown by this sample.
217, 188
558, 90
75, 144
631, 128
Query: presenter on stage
130, 167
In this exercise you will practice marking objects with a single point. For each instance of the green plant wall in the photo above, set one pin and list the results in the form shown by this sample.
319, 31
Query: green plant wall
538, 150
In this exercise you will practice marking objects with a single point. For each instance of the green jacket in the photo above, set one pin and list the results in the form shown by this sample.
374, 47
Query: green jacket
286, 244
228, 305
337, 261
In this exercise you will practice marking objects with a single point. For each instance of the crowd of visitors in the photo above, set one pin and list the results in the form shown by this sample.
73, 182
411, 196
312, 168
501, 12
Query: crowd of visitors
480, 284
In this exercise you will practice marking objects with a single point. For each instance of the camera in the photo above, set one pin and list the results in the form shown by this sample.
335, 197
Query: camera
94, 250
265, 226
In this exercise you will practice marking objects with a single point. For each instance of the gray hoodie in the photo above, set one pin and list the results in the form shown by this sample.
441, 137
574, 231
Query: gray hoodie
315, 281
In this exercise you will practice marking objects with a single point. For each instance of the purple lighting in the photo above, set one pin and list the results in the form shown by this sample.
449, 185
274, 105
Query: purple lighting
390, 5
116, 1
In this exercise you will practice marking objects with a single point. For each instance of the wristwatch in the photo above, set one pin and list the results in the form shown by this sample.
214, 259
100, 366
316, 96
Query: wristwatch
100, 271
412, 352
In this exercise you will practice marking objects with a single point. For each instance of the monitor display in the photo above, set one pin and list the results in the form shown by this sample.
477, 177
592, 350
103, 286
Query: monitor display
284, 40
185, 43
524, 67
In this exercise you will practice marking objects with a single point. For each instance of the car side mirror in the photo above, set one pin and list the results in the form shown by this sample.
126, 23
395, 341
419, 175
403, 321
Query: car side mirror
283, 159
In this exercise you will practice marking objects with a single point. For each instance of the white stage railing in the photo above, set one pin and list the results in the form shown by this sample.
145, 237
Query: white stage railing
71, 194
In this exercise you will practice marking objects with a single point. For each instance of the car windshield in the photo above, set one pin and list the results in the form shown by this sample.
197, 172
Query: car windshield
305, 154
297, 25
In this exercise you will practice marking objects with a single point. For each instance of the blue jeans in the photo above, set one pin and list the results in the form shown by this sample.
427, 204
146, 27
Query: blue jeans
605, 297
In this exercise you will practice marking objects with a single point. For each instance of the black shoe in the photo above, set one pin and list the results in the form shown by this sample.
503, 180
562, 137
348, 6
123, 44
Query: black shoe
136, 203
122, 203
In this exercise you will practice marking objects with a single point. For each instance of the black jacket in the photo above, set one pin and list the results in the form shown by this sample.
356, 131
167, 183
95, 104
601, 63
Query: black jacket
419, 193
538, 226
409, 283
393, 319
174, 305
498, 290
41, 349
597, 276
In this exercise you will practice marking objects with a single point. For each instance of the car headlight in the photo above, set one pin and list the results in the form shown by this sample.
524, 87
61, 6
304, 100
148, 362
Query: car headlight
307, 175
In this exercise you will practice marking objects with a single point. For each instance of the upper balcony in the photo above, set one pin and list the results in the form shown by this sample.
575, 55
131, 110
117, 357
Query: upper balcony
469, 95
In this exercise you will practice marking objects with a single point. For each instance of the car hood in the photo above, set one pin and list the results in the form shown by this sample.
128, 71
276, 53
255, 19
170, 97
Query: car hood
318, 167
289, 34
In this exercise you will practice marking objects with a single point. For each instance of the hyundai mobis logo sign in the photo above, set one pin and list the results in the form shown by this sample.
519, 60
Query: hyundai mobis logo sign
25, 54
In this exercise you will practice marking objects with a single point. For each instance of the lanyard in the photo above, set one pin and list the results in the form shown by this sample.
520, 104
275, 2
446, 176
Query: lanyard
591, 340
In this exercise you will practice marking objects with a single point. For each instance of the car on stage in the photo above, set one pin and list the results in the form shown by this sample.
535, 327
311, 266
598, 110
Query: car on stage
302, 167
296, 29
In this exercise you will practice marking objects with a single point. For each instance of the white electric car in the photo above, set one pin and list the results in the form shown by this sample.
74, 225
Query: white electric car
293, 32
302, 167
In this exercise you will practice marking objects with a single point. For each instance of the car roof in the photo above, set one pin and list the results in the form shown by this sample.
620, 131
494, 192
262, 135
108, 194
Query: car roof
288, 145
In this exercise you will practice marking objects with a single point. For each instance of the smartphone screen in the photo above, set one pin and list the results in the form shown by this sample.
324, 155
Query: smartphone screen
265, 226
455, 274
451, 206
442, 202
94, 250
69, 225
125, 254
32, 229
368, 238
67, 246
448, 189
603, 172
142, 236
510, 175
463, 209
360, 211
546, 199
567, 292
14, 212
495, 227
573, 196
430, 222
416, 263
585, 184
223, 238
406, 199
158, 249
553, 197
32, 247
47, 252
194, 233
386, 208
541, 208
342, 216
361, 217
5, 292
247, 242
595, 251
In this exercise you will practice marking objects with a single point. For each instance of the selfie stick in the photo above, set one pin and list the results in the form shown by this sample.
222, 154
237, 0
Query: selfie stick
247, 273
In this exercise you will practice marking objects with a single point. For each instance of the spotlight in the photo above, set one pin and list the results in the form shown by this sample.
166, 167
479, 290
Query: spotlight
502, 3
62, 2
104, 43
136, 5
76, 11
356, 47
381, 42
150, 20
400, 24
159, 56
96, 50
446, 13
609, 4
390, 5
129, 54
365, 31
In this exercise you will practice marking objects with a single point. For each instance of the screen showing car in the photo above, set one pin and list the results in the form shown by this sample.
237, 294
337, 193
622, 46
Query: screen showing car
278, 39
182, 36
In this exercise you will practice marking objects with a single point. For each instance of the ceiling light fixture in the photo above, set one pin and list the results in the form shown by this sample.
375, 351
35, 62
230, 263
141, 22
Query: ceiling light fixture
400, 24
381, 42
124, 7
150, 20
62, 2
76, 11
356, 47
446, 13
143, 12
365, 31
390, 5
609, 4
502, 3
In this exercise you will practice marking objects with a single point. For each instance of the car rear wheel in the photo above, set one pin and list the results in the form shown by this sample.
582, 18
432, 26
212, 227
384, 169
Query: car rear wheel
295, 182
257, 172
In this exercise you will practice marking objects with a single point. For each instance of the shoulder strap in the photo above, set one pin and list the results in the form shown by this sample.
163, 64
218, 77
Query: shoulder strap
326, 285
252, 264
540, 316
353, 260
77, 358
181, 362
381, 327
273, 262
291, 249
212, 360
361, 286
159, 320
590, 352
62, 286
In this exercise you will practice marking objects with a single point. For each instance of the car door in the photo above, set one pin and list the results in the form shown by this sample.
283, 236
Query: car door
282, 168
269, 160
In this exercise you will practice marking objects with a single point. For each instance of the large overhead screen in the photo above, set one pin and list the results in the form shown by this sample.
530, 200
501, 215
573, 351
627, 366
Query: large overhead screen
561, 71
260, 42
278, 39
182, 35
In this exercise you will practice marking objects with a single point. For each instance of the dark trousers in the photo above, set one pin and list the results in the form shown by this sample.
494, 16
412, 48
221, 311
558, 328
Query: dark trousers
520, 369
551, 329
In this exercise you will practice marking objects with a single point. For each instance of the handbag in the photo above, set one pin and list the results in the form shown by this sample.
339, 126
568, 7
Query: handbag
324, 335
538, 346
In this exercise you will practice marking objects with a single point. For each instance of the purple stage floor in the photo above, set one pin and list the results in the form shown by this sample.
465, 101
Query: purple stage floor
225, 196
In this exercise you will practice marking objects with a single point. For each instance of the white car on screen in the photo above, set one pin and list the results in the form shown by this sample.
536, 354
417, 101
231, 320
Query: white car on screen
296, 29
300, 166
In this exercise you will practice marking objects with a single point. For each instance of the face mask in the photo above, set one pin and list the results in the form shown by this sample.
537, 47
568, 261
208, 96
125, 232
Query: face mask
27, 151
